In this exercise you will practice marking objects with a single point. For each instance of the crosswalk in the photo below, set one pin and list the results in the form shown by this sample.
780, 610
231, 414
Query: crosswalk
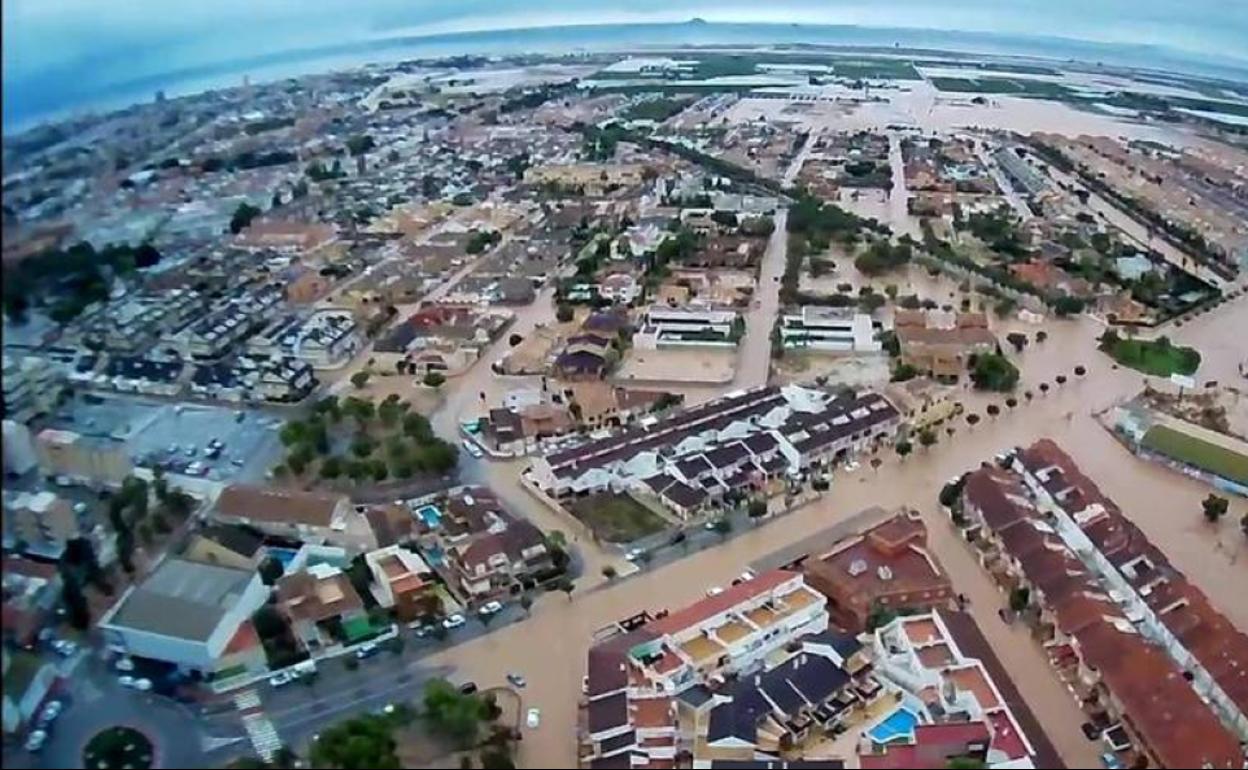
260, 730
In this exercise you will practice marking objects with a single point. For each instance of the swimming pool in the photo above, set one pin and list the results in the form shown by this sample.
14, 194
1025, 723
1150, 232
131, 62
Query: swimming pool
430, 515
284, 555
899, 724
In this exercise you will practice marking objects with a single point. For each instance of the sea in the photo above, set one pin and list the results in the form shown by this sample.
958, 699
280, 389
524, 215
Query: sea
40, 95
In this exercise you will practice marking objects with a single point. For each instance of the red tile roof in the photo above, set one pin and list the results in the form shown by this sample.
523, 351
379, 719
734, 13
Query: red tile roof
713, 605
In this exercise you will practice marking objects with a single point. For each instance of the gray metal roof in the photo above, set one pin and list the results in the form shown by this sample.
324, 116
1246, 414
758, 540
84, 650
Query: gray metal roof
182, 599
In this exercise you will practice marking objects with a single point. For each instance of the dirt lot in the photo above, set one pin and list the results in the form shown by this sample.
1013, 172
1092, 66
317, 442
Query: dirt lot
616, 518
679, 365
804, 367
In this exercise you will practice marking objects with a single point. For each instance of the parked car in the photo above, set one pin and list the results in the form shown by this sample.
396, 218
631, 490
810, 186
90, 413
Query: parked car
471, 448
366, 651
51, 710
468, 688
533, 718
516, 680
454, 621
281, 678
143, 685
124, 664
490, 607
65, 648
36, 739
633, 554
714, 591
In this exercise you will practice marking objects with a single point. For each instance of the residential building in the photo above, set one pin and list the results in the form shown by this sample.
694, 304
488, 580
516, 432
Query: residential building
43, 521
228, 545
691, 457
664, 326
280, 379
945, 674
91, 459
285, 237
32, 386
923, 402
830, 329
619, 287
703, 680
593, 178
884, 569
311, 517
326, 339
32, 593
322, 606
1134, 640
19, 449
488, 549
404, 582
586, 356
940, 343
184, 613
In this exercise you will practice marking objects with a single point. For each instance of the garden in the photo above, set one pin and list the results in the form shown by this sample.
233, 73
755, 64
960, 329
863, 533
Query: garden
1158, 357
617, 518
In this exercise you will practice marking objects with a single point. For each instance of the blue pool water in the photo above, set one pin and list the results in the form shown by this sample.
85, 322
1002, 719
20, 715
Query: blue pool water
899, 724
434, 556
284, 555
430, 515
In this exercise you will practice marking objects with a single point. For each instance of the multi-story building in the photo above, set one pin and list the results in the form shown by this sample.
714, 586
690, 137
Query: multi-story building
306, 516
91, 459
488, 550
1134, 640
32, 386
961, 699
691, 457
326, 339
941, 344
829, 329
43, 521
317, 598
884, 569
704, 680
403, 581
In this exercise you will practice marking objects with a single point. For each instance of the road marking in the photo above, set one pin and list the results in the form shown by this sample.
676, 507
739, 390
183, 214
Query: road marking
247, 699
263, 735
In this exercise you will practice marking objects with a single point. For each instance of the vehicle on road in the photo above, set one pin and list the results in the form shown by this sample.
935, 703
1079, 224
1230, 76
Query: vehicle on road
367, 651
36, 739
633, 554
490, 607
516, 680
468, 688
714, 591
281, 678
472, 449
135, 683
852, 465
533, 718
65, 648
454, 621
124, 664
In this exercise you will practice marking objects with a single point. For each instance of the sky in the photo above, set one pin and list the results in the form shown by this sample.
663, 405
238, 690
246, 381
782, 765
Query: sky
54, 43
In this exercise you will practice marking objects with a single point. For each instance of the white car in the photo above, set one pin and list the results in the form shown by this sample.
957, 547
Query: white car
633, 554
533, 718
454, 621
491, 607
281, 678
65, 648
714, 591
474, 450
124, 664
126, 681
851, 466
36, 739
51, 711
135, 684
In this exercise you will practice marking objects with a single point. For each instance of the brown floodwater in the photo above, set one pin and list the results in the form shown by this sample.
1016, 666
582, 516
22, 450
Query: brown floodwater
549, 648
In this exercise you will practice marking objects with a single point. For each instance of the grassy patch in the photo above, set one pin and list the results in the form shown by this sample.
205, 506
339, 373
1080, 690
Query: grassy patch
1156, 357
874, 69
657, 110
118, 747
1006, 86
617, 518
1198, 453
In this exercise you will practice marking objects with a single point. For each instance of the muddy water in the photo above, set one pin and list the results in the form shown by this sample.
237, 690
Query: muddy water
550, 647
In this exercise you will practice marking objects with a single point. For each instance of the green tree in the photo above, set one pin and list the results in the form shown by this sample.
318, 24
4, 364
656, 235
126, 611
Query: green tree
1215, 508
331, 468
270, 570
360, 379
1019, 598
76, 610
757, 509
722, 526
609, 572
434, 379
451, 713
993, 371
496, 758
1018, 340
563, 313
904, 448
363, 742
993, 410
125, 550
243, 215
927, 437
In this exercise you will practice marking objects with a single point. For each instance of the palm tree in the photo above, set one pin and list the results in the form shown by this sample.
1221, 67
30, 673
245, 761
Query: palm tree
950, 431
608, 572
876, 463
1044, 388
972, 419
1060, 379
993, 410
1080, 370
903, 448
1011, 402
1029, 395
526, 603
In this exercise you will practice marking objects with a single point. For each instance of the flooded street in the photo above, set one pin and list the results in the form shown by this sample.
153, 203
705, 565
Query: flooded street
549, 648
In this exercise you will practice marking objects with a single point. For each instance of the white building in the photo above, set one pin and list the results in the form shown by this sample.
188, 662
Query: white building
326, 339
184, 613
830, 329
19, 448
690, 326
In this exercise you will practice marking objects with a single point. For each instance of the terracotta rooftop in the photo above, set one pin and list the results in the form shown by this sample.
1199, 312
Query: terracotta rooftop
711, 606
277, 505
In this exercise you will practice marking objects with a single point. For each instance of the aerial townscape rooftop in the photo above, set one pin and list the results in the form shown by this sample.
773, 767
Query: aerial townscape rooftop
643, 394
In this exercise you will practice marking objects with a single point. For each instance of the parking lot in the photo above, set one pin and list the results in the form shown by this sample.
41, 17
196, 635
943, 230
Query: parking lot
206, 441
